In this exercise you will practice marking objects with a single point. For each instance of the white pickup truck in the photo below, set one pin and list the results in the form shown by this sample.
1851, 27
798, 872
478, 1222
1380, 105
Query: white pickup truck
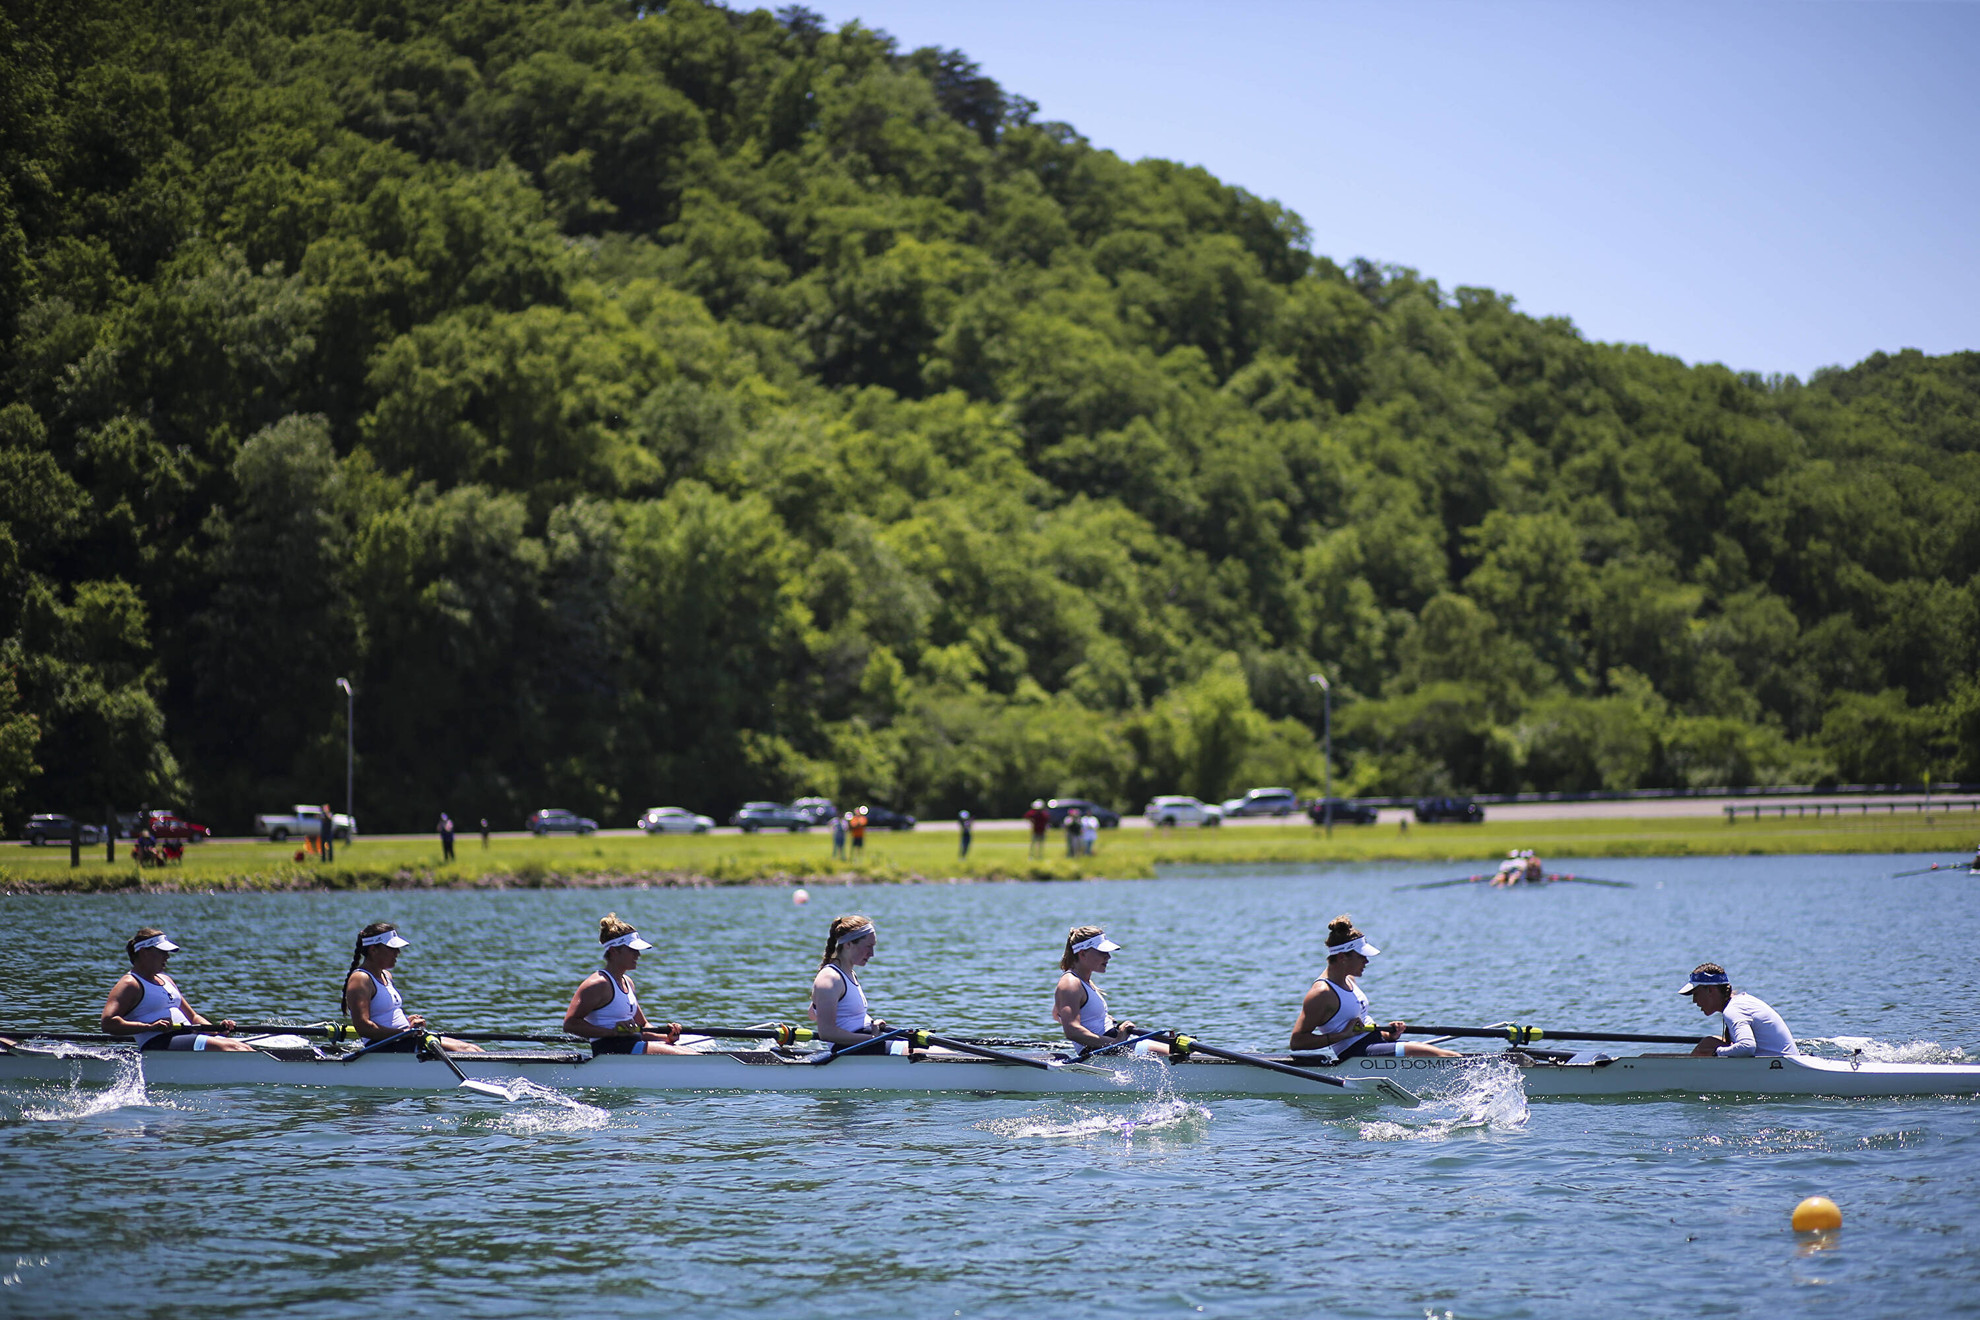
305, 823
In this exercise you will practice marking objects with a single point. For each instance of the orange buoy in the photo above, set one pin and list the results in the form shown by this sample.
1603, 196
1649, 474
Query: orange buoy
1817, 1214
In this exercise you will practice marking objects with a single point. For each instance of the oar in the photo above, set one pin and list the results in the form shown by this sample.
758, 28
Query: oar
840, 1051
1443, 884
1589, 880
432, 1044
1182, 1047
1082, 1056
923, 1039
1935, 866
1527, 1035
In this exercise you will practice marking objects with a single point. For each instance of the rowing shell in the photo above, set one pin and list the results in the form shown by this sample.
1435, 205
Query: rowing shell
777, 1070
1652, 1074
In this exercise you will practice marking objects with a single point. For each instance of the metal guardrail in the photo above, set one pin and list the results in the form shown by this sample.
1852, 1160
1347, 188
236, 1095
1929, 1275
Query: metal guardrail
1661, 794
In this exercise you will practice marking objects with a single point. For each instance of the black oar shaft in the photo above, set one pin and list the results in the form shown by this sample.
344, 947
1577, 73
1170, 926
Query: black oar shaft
1190, 1045
1525, 1035
981, 1051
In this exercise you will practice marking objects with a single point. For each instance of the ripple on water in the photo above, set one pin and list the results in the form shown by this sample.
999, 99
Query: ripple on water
1882, 1051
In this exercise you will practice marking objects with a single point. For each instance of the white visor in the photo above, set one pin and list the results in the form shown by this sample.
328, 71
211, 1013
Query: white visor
158, 942
1100, 942
391, 939
1359, 944
630, 940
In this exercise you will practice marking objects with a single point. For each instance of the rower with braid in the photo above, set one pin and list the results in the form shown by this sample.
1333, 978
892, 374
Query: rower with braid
605, 1009
372, 1000
838, 1002
147, 1004
1335, 1011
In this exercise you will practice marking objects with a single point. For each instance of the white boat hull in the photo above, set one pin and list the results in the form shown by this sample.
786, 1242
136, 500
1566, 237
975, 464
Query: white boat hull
763, 1070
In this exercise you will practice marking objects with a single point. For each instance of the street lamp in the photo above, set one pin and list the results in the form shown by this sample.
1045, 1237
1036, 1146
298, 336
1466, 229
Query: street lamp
350, 758
1327, 703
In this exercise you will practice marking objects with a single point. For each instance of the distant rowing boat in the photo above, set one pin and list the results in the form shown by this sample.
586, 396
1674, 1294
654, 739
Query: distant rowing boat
294, 1063
1550, 878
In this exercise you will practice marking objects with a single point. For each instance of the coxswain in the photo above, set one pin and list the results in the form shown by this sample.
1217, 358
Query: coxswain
1335, 1011
838, 1003
1752, 1028
372, 1000
147, 1004
605, 1010
1078, 1005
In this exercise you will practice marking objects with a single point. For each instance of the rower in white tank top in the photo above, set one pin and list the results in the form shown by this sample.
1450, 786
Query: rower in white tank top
388, 1006
145, 997
372, 1000
1079, 1006
838, 1000
1334, 1015
605, 1009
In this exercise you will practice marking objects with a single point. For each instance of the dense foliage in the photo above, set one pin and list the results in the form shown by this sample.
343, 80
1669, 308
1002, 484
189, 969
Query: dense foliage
673, 404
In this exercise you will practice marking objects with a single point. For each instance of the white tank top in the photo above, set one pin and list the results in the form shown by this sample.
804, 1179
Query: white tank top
1351, 1008
161, 999
1093, 1014
852, 1001
622, 1006
388, 1010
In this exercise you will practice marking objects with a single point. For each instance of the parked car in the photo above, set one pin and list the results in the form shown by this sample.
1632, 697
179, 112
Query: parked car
164, 825
674, 820
1461, 810
1346, 811
756, 816
882, 818
1058, 807
305, 822
50, 826
1263, 802
1176, 810
817, 810
555, 820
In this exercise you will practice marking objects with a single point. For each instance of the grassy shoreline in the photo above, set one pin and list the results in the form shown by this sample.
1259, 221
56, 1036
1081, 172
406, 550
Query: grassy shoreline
790, 859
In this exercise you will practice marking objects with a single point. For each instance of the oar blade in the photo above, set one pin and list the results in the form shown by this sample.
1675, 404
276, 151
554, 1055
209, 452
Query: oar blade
494, 1090
1402, 1095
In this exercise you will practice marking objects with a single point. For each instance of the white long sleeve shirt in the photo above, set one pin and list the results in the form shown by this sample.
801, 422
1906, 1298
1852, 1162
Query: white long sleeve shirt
1754, 1029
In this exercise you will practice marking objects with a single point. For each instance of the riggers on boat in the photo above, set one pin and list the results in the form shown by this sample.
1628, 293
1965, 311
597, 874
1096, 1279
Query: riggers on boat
292, 1062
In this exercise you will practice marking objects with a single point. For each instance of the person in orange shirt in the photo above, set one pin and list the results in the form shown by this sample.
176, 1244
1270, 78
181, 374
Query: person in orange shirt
856, 826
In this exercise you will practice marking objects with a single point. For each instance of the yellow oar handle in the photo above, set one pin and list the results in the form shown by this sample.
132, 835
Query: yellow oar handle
788, 1034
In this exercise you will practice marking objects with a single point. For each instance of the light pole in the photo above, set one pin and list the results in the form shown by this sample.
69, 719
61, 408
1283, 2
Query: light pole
350, 758
1327, 705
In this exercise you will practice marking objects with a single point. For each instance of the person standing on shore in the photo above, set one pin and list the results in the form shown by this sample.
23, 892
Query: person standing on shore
839, 836
1072, 831
1089, 832
963, 828
446, 837
856, 826
484, 834
1040, 821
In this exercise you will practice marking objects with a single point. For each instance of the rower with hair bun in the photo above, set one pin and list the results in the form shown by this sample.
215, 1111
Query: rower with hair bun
605, 1009
838, 1002
147, 1004
1078, 1005
372, 1000
1335, 1011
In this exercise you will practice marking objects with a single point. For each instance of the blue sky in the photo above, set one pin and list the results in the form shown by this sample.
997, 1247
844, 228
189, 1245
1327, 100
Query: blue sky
1775, 186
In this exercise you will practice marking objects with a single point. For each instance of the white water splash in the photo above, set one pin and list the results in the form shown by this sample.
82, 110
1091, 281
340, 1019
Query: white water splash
1879, 1051
546, 1110
126, 1090
1078, 1122
1491, 1098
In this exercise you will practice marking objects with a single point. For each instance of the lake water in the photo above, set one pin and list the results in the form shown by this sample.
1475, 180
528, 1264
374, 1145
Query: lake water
344, 1204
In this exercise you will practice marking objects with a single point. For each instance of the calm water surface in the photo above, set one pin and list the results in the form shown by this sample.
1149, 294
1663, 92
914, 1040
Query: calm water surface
250, 1202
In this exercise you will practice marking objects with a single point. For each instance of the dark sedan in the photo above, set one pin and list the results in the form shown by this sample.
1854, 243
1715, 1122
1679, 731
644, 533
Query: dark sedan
49, 826
1346, 811
756, 816
555, 820
1463, 811
881, 818
1058, 807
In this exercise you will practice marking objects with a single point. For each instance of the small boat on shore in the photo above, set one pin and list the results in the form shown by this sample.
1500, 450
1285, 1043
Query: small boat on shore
291, 1061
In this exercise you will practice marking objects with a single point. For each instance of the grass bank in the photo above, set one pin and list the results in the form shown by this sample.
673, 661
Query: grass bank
998, 855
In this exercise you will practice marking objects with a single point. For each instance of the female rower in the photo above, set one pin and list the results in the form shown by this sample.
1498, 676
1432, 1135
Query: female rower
1078, 1005
146, 1003
1335, 1012
372, 1001
838, 1004
605, 1010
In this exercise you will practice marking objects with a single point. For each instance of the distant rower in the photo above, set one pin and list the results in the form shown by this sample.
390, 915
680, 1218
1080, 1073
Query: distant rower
605, 1010
1335, 1012
146, 1003
838, 1002
1752, 1028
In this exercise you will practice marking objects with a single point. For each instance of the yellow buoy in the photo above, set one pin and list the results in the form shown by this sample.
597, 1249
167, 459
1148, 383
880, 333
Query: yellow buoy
1816, 1214
799, 896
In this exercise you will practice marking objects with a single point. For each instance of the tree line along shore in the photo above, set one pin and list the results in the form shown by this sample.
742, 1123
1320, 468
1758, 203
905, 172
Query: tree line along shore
692, 404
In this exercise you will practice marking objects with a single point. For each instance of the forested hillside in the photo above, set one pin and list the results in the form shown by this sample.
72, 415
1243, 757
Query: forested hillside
676, 404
